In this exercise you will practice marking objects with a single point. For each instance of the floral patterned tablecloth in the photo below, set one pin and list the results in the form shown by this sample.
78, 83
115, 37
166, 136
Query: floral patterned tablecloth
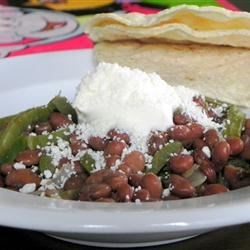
32, 26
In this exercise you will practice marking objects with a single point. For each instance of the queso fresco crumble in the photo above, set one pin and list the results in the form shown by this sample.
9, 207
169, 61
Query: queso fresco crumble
127, 137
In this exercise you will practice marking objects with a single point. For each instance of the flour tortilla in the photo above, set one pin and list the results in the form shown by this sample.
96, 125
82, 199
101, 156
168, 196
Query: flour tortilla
220, 72
204, 48
182, 24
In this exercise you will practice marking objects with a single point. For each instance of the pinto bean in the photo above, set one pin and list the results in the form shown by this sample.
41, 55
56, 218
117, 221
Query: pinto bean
111, 160
58, 120
73, 183
244, 182
21, 177
153, 184
246, 131
43, 127
118, 136
63, 161
116, 180
157, 140
124, 168
247, 124
211, 137
76, 164
199, 156
6, 168
141, 195
135, 179
221, 152
182, 187
199, 101
180, 133
245, 154
84, 193
181, 163
97, 191
90, 192
199, 143
76, 144
181, 118
125, 193
214, 189
114, 148
207, 168
77, 147
196, 130
78, 167
98, 176
135, 160
236, 145
232, 175
97, 143
236, 177
29, 157
211, 113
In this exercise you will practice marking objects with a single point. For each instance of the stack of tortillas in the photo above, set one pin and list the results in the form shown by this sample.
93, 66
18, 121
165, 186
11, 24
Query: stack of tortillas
205, 48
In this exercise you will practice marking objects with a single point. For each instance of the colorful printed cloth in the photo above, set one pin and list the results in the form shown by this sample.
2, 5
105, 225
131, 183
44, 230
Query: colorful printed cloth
32, 26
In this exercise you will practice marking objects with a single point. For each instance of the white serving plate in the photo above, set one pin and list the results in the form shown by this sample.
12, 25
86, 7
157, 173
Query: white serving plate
33, 80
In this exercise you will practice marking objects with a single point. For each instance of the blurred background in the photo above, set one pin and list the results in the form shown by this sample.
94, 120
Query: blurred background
35, 26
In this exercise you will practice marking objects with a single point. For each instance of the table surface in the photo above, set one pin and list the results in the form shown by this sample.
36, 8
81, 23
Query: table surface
230, 238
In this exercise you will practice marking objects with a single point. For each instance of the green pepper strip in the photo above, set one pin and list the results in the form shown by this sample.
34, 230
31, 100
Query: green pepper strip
61, 104
17, 146
4, 122
42, 140
13, 132
236, 120
216, 102
162, 156
87, 162
238, 162
69, 194
45, 163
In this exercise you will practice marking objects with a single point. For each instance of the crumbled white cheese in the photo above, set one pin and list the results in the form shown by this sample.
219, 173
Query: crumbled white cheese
137, 201
193, 110
186, 152
206, 151
19, 165
47, 173
50, 137
137, 188
28, 188
61, 176
130, 99
59, 150
34, 169
165, 192
32, 134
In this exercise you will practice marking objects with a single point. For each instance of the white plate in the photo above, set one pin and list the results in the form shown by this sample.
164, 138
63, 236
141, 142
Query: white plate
33, 80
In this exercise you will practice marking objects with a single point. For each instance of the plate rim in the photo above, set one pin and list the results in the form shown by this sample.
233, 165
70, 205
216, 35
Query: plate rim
183, 214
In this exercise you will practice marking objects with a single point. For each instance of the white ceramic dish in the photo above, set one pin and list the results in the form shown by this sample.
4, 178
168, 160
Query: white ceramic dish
33, 80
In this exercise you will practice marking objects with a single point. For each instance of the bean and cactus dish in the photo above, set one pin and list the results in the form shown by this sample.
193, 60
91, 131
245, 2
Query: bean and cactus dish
45, 152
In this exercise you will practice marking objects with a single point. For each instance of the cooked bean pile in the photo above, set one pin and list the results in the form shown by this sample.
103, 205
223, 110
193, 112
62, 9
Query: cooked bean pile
187, 161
